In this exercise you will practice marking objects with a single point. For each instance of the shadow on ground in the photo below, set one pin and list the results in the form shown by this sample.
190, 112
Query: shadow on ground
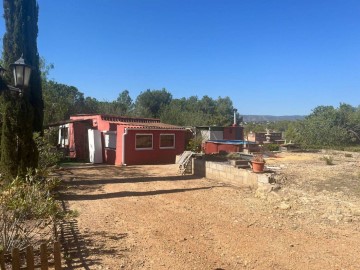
77, 197
75, 246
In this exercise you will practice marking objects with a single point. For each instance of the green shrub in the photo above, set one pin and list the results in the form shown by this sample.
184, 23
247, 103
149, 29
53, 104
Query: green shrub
352, 148
28, 211
328, 160
271, 147
194, 145
233, 156
48, 154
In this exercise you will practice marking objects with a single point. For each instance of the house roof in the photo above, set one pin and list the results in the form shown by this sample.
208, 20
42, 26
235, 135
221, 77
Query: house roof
138, 122
59, 123
157, 125
117, 118
130, 122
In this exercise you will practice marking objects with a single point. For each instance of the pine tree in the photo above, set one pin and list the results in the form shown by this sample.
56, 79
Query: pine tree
21, 18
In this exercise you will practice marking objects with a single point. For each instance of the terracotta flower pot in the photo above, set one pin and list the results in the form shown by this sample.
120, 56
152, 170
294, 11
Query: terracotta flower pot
258, 166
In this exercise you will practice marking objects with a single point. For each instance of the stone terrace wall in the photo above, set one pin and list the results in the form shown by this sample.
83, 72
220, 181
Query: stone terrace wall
225, 173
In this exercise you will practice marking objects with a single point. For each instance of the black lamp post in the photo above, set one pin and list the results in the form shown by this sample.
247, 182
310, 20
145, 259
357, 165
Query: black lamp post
21, 72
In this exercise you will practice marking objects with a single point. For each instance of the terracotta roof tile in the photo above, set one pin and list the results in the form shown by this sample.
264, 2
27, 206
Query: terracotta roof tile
150, 125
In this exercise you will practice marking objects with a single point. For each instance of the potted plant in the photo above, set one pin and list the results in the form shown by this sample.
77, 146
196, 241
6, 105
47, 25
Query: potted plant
258, 163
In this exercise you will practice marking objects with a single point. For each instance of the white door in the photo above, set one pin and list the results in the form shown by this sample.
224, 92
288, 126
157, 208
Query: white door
95, 146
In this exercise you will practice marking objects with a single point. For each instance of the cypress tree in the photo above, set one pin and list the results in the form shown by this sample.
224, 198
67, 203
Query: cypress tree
21, 114
9, 137
21, 18
26, 147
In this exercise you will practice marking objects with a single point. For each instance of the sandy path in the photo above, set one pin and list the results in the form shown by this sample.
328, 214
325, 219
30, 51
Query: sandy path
148, 217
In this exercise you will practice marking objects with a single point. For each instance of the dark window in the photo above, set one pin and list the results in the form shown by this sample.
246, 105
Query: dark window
167, 140
144, 141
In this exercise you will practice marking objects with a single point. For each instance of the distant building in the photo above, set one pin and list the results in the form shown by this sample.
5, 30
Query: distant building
217, 139
209, 133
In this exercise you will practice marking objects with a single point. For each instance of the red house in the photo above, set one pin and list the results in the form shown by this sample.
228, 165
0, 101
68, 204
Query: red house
121, 140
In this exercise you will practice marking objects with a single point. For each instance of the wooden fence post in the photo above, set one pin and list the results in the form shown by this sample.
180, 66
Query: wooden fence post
43, 257
30, 258
57, 256
2, 260
15, 259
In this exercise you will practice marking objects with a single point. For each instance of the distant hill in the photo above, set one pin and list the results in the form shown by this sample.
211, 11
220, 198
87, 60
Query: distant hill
271, 118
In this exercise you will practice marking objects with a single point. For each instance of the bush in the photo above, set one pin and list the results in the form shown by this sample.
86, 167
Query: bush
271, 147
194, 145
28, 211
48, 154
352, 148
328, 160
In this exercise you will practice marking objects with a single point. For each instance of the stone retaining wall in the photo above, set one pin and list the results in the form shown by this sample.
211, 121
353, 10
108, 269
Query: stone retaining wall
226, 173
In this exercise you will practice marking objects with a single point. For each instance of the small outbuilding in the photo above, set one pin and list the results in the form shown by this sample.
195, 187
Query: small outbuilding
121, 140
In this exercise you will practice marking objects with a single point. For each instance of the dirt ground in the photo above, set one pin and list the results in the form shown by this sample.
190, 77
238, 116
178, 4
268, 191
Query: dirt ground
149, 217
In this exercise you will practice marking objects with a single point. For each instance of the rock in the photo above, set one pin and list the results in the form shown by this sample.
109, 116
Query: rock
335, 218
273, 197
264, 178
355, 212
263, 190
348, 219
324, 216
275, 187
284, 206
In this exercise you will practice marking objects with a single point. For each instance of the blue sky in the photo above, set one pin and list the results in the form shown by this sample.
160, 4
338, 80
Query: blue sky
280, 57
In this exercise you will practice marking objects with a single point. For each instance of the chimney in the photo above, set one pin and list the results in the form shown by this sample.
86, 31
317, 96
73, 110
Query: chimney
234, 124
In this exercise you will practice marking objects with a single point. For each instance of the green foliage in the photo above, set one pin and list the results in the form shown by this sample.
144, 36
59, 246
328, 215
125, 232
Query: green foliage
9, 155
255, 127
45, 69
278, 126
329, 160
124, 103
150, 102
61, 101
293, 131
18, 150
27, 151
271, 147
48, 154
28, 210
327, 127
194, 145
195, 112
20, 38
352, 148
23, 114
